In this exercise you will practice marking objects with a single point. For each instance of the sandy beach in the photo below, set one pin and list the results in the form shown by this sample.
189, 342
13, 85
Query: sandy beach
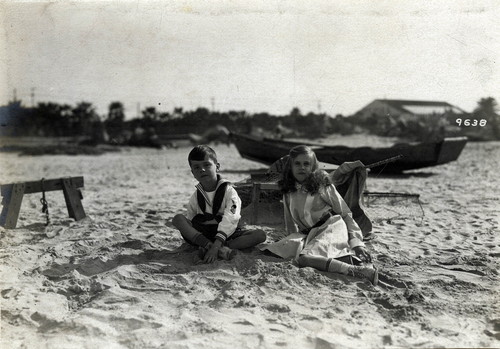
122, 278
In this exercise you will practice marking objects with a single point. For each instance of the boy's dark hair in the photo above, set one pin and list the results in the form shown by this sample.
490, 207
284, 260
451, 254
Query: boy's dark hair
199, 153
316, 179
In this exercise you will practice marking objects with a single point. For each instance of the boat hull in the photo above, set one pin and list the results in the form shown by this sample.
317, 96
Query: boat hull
414, 155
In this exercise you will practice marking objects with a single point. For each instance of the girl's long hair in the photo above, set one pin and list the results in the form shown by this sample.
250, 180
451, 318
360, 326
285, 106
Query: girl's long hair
316, 179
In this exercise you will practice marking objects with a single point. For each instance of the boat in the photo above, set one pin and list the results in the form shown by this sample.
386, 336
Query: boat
408, 156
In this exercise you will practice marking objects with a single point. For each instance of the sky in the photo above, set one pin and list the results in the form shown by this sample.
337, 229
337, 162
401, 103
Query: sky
259, 56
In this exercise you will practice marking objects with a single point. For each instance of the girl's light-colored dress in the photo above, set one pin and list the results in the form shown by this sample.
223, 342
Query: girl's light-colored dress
333, 239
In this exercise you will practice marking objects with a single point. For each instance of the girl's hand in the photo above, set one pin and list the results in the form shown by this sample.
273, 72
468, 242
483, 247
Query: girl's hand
363, 254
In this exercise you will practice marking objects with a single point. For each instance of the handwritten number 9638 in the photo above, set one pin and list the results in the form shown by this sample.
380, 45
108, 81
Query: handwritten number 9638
471, 122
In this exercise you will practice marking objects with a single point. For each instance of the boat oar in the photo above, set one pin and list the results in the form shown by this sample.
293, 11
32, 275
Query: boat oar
386, 161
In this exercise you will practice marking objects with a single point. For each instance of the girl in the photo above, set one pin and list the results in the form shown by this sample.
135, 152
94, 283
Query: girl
322, 232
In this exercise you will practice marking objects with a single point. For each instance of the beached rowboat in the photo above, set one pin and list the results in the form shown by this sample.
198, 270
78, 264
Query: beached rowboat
414, 155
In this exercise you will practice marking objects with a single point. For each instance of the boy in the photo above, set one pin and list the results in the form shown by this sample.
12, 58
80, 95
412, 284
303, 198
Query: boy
214, 211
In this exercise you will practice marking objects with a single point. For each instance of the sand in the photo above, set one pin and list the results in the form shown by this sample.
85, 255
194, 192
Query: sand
122, 278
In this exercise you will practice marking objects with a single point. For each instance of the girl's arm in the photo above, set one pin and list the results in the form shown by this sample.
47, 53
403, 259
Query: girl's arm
231, 215
333, 198
290, 225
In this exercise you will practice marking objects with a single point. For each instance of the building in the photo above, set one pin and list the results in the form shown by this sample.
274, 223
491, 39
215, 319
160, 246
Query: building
419, 120
406, 109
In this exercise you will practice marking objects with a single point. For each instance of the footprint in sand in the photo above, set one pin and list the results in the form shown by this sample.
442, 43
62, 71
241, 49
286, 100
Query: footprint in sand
15, 319
311, 323
10, 293
495, 333
387, 280
135, 324
277, 308
45, 324
134, 244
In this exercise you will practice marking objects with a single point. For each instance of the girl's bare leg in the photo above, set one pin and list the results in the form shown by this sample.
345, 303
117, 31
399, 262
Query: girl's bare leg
335, 266
324, 264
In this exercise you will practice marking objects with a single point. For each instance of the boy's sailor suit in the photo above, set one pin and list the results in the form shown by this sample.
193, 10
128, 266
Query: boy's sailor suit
224, 222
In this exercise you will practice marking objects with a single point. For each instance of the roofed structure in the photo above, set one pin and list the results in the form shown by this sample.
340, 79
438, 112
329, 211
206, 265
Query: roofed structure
407, 108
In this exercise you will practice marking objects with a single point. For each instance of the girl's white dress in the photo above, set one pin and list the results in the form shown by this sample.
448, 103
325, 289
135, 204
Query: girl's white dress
333, 239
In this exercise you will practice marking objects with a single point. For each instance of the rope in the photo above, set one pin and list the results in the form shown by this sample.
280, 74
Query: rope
45, 205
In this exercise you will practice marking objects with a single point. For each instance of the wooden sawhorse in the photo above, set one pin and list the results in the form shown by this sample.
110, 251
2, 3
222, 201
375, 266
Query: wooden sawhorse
13, 196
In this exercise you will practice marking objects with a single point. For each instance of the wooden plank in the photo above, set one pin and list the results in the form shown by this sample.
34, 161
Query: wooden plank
73, 199
48, 185
6, 195
12, 205
269, 186
13, 195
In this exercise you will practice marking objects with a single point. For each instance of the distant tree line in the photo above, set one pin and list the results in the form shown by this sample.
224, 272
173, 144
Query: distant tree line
63, 120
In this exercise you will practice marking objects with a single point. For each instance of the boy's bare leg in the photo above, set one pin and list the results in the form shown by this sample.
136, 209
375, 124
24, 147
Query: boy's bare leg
190, 233
247, 239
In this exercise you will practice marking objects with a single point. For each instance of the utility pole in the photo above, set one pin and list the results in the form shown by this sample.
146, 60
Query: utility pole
386, 107
32, 97
213, 104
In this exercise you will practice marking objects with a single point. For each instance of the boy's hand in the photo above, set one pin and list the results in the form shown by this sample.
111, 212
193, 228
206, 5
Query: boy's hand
211, 255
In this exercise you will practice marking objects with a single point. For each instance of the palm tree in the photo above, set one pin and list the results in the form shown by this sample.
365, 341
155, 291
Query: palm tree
115, 120
54, 119
486, 108
84, 116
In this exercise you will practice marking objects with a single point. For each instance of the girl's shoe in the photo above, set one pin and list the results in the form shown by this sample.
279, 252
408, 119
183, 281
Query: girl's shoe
364, 272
